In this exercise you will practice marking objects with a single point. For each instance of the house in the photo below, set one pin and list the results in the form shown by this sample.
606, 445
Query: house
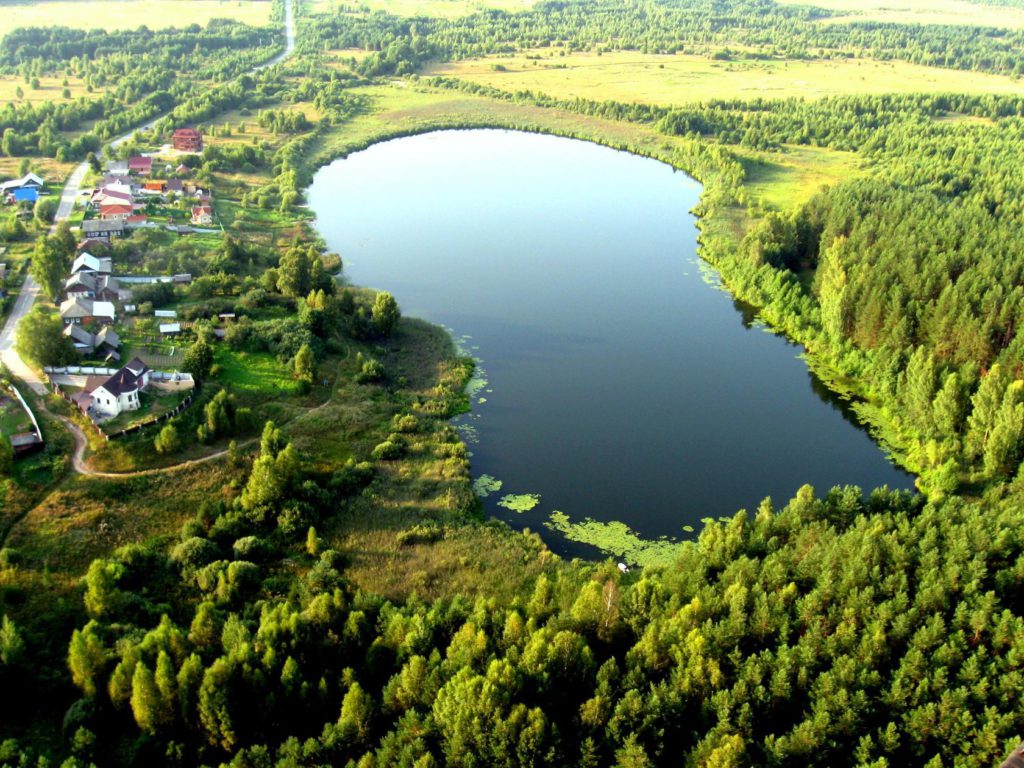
174, 185
154, 187
100, 229
120, 392
140, 165
90, 243
86, 262
24, 195
110, 194
187, 140
118, 168
136, 220
28, 181
202, 215
108, 343
84, 341
84, 311
108, 289
81, 285
112, 211
104, 344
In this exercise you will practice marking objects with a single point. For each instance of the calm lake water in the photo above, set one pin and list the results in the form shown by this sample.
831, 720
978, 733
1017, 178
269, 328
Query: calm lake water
621, 383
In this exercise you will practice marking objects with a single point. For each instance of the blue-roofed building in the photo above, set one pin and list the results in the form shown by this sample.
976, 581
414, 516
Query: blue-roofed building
25, 195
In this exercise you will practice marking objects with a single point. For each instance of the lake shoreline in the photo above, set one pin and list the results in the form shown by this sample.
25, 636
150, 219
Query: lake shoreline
409, 293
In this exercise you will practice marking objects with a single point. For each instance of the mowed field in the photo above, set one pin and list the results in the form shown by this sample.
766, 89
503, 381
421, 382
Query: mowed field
666, 79
920, 12
50, 89
131, 14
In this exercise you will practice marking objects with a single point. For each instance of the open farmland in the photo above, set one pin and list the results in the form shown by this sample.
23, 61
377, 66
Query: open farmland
130, 14
921, 12
660, 79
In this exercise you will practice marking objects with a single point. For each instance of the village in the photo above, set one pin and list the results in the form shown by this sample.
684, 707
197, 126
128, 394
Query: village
101, 321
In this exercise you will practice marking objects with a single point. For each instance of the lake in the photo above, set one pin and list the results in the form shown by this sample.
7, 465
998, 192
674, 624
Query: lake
620, 383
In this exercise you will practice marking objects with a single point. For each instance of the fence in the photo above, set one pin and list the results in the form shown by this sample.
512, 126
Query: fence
165, 381
161, 377
134, 427
38, 442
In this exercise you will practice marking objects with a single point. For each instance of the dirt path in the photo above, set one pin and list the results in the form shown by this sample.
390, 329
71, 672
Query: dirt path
81, 443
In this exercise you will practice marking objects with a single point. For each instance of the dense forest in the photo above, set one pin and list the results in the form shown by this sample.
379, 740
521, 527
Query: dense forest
835, 631
841, 629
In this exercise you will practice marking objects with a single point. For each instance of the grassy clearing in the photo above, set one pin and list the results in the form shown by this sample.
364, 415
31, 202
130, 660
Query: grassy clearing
51, 88
781, 181
254, 373
131, 14
958, 12
13, 418
446, 9
665, 79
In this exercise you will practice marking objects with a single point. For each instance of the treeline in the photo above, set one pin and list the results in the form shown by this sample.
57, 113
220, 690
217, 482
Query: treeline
770, 30
58, 45
835, 632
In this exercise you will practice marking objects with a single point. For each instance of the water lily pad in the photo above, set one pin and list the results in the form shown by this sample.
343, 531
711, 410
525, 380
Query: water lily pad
520, 502
485, 485
617, 539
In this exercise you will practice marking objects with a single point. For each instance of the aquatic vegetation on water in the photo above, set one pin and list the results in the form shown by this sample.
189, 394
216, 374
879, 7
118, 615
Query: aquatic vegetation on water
520, 502
470, 435
617, 539
485, 485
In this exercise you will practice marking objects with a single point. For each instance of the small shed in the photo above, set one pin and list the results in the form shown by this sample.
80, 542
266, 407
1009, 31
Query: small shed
170, 329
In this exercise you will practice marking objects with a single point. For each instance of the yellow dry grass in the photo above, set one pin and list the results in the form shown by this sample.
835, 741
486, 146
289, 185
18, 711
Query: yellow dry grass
957, 12
131, 14
666, 79
50, 89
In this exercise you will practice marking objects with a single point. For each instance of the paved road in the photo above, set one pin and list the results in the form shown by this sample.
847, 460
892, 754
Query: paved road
30, 290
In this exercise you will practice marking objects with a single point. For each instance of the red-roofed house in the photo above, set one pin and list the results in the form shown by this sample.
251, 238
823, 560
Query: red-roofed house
202, 215
187, 140
114, 211
140, 165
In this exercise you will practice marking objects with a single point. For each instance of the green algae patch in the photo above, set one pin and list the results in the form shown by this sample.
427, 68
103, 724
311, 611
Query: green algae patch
520, 502
485, 485
617, 539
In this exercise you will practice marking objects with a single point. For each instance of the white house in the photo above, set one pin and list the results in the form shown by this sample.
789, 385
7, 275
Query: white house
78, 310
120, 392
30, 180
86, 262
